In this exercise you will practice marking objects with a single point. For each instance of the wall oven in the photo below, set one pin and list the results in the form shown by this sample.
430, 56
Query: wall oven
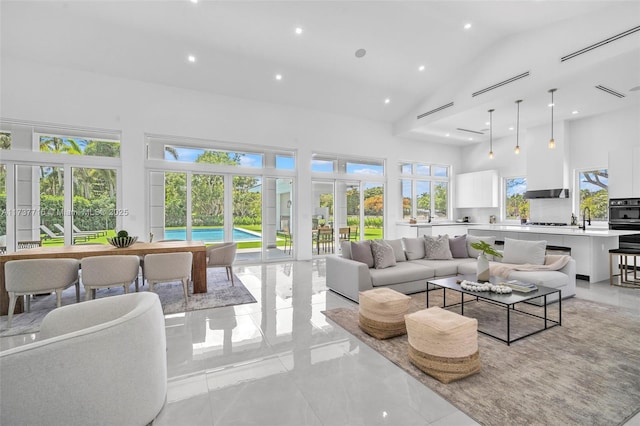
624, 215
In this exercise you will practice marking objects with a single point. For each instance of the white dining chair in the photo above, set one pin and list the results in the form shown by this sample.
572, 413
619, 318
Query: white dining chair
169, 267
108, 271
222, 256
36, 276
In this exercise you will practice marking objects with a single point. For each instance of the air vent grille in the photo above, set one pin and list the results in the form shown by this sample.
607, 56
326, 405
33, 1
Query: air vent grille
502, 83
470, 131
610, 91
599, 44
450, 104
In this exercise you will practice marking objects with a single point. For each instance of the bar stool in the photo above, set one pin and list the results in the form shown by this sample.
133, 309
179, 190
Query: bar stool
626, 279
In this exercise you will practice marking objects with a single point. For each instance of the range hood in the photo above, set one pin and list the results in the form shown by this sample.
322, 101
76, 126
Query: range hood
547, 193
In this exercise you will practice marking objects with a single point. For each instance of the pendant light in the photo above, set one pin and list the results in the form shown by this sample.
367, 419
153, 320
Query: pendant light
491, 133
517, 149
552, 142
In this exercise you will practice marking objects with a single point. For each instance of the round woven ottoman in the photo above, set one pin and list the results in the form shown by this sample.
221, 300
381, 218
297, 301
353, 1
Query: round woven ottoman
382, 312
443, 344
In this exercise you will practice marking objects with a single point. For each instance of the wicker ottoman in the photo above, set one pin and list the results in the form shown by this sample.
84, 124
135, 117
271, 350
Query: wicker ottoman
382, 312
443, 344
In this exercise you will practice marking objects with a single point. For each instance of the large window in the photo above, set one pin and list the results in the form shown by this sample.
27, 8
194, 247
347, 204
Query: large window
594, 193
425, 191
515, 205
78, 146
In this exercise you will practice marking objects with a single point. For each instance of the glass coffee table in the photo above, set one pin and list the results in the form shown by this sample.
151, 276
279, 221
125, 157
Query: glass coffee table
508, 301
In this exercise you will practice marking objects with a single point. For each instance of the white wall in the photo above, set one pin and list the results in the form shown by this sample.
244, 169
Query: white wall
38, 93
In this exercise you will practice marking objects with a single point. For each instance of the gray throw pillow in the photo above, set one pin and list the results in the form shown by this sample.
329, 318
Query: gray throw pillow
458, 246
383, 256
437, 248
361, 252
521, 252
475, 253
414, 248
398, 250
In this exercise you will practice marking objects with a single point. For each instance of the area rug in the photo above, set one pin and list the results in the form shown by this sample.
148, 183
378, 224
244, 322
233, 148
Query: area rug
586, 372
220, 293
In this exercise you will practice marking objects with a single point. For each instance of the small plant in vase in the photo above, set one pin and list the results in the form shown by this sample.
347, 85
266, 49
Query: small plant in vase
482, 274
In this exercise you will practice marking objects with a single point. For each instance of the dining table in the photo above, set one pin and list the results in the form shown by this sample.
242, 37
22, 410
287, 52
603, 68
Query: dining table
198, 268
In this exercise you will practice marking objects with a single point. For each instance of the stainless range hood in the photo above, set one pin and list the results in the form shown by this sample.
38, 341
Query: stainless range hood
547, 193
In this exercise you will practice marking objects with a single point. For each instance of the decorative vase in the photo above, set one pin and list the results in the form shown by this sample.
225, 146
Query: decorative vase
482, 274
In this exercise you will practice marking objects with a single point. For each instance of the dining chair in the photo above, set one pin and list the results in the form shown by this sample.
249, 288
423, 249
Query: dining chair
344, 234
222, 255
37, 276
108, 271
169, 267
325, 239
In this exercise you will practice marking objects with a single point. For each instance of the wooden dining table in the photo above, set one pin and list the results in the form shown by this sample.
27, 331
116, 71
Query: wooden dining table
198, 268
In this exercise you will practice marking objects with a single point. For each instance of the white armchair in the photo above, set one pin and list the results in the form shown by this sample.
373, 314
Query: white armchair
222, 256
109, 271
169, 267
98, 362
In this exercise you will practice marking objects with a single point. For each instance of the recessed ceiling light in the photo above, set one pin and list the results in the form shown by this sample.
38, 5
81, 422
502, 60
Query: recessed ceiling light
487, 123
278, 77
421, 68
447, 135
511, 128
467, 26
191, 58
550, 105
386, 101
574, 112
194, 1
298, 30
470, 139
360, 53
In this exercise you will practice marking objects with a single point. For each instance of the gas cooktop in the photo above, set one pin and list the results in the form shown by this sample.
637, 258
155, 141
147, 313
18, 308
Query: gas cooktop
546, 223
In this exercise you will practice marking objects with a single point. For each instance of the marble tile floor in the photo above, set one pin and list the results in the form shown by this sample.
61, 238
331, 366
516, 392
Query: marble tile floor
282, 362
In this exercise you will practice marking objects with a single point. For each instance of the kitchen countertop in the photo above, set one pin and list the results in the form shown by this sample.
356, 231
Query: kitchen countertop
558, 230
429, 224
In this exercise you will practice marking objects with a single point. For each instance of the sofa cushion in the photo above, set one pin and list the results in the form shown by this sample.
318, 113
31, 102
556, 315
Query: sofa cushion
521, 251
444, 267
403, 272
383, 255
472, 239
361, 252
437, 247
398, 250
414, 248
345, 249
458, 247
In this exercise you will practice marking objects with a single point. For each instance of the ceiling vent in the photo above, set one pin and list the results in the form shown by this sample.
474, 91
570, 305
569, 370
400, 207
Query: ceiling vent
502, 83
610, 91
470, 131
450, 104
599, 44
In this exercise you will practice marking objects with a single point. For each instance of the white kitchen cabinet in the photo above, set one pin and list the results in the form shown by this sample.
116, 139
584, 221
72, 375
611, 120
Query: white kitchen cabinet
624, 173
477, 189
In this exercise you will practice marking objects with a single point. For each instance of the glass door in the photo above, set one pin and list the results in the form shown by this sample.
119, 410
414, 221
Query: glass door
322, 219
278, 213
207, 208
247, 217
94, 205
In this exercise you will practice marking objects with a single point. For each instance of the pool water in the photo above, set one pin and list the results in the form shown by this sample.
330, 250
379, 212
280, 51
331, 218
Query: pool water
210, 234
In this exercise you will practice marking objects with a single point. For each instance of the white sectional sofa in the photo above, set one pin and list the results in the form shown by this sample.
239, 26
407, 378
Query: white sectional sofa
348, 277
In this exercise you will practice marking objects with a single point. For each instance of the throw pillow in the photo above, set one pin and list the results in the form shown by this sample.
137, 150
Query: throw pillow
383, 256
437, 248
361, 252
398, 250
521, 252
475, 253
458, 246
414, 248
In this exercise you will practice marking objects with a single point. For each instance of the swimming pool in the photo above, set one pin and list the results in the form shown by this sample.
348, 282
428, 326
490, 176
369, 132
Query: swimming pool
210, 234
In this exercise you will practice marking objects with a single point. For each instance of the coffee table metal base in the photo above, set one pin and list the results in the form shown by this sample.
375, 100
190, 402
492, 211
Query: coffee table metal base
510, 305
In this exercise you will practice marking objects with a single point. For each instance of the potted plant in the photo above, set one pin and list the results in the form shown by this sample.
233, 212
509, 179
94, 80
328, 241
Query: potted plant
524, 212
482, 274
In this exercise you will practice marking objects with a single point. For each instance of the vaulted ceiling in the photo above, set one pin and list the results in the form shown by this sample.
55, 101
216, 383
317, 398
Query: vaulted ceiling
240, 47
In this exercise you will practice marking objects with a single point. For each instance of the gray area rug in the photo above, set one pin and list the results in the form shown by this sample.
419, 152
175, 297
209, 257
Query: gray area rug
586, 372
219, 293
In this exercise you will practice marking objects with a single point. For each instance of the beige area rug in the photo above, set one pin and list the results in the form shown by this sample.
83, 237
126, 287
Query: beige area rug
220, 293
586, 372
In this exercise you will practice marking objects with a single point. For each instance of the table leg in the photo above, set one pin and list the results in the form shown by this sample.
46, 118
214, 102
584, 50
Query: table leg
508, 326
199, 272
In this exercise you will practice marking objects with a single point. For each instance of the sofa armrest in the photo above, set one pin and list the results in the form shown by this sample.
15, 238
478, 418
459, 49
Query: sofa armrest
570, 270
347, 277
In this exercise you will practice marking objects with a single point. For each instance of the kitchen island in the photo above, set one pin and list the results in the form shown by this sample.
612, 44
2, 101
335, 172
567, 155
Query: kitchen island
413, 230
590, 247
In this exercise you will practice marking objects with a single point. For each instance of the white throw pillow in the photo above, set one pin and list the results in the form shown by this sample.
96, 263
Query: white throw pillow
414, 248
383, 256
472, 239
521, 251
437, 248
398, 250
